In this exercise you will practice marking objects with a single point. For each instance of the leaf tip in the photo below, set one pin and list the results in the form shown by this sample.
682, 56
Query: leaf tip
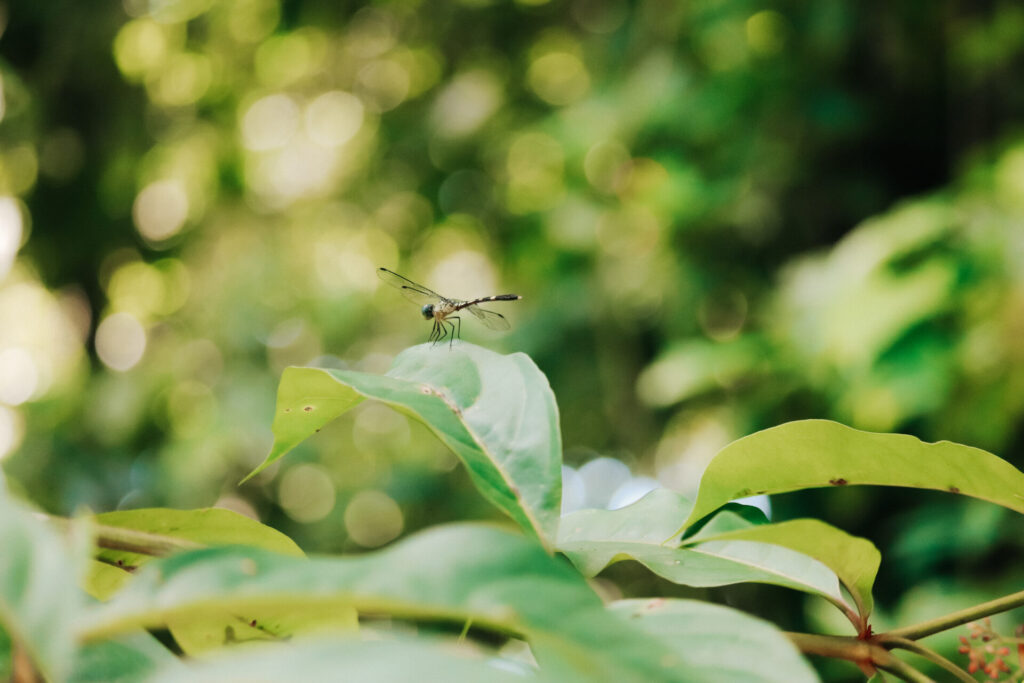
259, 468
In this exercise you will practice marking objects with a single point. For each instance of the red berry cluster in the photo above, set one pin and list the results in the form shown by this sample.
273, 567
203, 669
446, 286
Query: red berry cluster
990, 650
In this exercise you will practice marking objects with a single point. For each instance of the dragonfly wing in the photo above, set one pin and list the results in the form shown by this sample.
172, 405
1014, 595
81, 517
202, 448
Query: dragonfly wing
495, 321
410, 290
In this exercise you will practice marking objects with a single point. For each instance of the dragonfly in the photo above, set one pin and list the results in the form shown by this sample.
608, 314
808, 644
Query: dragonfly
442, 310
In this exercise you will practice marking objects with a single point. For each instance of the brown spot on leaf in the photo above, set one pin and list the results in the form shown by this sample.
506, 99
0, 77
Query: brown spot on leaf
954, 489
287, 410
839, 481
308, 409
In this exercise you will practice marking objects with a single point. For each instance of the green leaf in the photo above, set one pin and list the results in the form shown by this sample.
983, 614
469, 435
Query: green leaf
492, 578
495, 412
593, 539
127, 658
39, 596
854, 560
209, 526
706, 639
820, 453
102, 580
348, 660
643, 531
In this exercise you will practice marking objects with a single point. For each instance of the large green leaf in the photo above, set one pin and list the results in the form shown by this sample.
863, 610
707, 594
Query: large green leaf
348, 660
854, 560
206, 526
210, 526
495, 412
39, 596
489, 577
647, 531
819, 453
707, 640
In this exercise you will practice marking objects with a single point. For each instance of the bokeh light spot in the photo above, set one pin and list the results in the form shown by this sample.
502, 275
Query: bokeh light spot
536, 165
12, 430
383, 84
19, 377
140, 46
373, 518
607, 166
306, 493
371, 33
466, 103
184, 79
269, 123
136, 288
160, 210
19, 168
11, 228
253, 20
283, 60
559, 78
120, 341
332, 119
766, 32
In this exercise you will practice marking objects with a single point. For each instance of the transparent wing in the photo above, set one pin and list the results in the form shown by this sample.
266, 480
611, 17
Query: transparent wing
410, 290
495, 321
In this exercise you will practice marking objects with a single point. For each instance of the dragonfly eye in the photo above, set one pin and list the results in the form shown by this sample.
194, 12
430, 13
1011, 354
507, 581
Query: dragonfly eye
428, 311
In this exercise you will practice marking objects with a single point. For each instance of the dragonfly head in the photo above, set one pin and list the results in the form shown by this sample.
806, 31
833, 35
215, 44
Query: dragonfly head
428, 311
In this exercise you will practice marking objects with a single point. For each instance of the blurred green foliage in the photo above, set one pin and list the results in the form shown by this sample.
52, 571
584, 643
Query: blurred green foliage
722, 214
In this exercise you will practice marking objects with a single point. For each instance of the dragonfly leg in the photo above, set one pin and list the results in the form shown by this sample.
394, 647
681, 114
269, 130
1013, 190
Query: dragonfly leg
433, 333
454, 333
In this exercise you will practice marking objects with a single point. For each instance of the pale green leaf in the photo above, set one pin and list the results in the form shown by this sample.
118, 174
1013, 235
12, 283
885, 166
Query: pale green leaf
209, 526
820, 453
854, 560
348, 660
495, 412
707, 641
643, 531
488, 577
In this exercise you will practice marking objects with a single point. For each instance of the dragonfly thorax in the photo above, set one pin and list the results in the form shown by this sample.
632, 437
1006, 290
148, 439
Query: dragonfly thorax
427, 311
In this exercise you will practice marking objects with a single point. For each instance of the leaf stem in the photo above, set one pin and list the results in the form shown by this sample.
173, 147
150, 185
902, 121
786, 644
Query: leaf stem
23, 669
838, 647
130, 540
926, 652
898, 667
869, 655
953, 619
